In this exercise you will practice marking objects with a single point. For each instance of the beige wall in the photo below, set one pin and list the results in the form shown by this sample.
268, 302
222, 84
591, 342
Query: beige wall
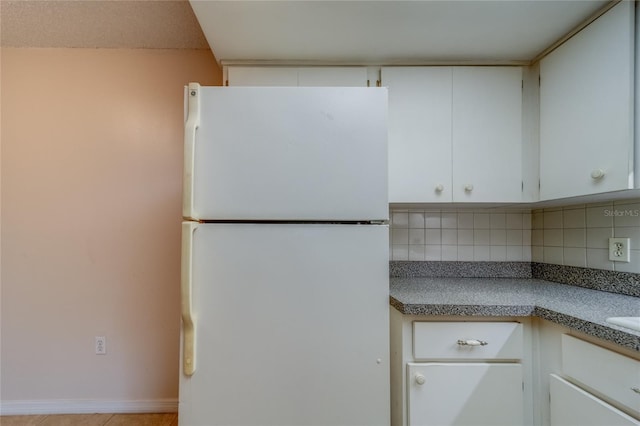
91, 207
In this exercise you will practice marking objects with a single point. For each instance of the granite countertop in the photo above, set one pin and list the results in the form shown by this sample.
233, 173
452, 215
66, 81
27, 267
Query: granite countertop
575, 307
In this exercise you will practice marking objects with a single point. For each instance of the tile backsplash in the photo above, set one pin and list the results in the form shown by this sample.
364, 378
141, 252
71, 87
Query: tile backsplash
579, 235
573, 235
460, 234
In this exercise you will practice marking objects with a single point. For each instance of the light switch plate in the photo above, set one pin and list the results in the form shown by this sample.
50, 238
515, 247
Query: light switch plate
619, 249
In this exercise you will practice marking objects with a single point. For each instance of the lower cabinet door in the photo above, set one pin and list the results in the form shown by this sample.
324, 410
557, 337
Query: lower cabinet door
475, 394
572, 406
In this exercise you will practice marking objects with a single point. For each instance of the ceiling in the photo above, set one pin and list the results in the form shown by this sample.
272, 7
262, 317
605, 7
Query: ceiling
150, 24
360, 31
388, 31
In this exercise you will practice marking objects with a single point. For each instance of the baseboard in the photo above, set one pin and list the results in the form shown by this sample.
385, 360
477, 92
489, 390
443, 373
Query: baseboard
86, 406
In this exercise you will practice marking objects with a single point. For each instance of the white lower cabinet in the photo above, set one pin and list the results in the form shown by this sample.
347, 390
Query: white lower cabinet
508, 371
462, 373
572, 406
613, 375
465, 394
598, 387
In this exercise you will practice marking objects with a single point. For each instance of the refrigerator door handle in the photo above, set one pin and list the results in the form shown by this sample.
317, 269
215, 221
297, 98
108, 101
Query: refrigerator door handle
188, 322
190, 127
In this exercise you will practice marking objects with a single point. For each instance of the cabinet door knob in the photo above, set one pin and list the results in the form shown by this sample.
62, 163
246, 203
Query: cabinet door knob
439, 188
636, 389
420, 379
468, 187
472, 342
597, 174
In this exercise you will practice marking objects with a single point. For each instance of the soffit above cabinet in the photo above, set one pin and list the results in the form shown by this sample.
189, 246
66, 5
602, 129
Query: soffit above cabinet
388, 32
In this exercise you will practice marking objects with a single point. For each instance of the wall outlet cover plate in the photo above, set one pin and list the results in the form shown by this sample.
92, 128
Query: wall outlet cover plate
619, 249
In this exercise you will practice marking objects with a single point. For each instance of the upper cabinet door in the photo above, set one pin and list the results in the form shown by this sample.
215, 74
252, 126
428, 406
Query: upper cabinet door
487, 134
262, 76
333, 76
586, 109
297, 76
419, 133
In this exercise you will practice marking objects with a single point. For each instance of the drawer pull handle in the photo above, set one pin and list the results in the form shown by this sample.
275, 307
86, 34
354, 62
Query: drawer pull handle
420, 379
472, 342
636, 390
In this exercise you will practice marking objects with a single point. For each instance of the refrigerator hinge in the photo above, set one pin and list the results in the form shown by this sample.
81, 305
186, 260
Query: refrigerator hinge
190, 129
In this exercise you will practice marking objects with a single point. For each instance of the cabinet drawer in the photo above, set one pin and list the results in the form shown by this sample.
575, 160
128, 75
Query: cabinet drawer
445, 340
571, 406
613, 375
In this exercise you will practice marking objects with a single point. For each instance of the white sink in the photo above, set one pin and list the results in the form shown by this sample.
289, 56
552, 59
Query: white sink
627, 322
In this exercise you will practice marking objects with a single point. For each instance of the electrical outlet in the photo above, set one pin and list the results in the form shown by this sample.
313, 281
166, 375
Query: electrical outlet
101, 345
619, 249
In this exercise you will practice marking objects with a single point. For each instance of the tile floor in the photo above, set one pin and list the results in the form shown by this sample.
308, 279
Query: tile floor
165, 419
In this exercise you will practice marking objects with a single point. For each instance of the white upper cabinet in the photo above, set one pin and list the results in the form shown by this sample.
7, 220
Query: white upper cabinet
487, 134
455, 134
262, 76
419, 133
296, 76
586, 109
333, 76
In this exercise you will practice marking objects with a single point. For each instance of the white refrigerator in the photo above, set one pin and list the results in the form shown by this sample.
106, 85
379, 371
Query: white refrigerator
285, 257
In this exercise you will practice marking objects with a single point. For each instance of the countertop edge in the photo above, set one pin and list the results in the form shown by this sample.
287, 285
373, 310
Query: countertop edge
462, 310
611, 333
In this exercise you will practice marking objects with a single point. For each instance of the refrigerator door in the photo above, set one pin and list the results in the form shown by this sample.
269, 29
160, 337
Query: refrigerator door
286, 153
291, 325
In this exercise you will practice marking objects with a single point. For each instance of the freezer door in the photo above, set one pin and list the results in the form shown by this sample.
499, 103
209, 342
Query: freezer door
286, 153
291, 325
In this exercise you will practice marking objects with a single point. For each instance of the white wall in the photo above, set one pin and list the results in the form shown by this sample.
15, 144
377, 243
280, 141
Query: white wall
91, 173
